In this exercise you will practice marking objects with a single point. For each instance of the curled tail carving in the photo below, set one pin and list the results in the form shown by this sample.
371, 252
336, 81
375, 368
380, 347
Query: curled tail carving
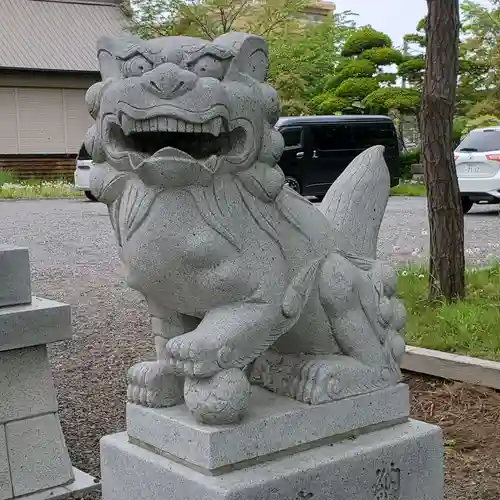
356, 202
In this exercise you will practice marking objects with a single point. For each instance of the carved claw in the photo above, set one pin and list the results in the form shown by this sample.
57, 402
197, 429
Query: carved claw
190, 355
153, 384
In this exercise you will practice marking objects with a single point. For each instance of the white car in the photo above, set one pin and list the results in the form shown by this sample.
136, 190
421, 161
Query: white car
82, 173
477, 159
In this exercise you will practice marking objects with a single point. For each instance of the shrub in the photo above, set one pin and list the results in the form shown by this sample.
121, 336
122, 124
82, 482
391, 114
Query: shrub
363, 39
407, 159
356, 88
7, 177
382, 56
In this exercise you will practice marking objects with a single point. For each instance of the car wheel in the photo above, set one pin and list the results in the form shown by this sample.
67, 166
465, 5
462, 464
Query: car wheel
90, 196
466, 204
293, 183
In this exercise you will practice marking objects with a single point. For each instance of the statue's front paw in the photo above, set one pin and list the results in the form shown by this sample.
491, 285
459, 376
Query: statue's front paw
153, 383
194, 356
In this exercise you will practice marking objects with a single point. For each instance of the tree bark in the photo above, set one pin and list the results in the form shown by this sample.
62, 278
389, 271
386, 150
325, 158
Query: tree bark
446, 221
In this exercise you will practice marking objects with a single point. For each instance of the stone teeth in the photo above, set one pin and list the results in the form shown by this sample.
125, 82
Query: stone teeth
153, 124
172, 125
162, 124
127, 124
216, 126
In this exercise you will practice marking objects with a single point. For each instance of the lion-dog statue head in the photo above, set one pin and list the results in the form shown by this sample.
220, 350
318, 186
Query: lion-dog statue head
178, 111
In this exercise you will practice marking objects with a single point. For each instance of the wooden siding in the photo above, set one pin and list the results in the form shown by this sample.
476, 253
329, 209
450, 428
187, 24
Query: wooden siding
36, 121
47, 167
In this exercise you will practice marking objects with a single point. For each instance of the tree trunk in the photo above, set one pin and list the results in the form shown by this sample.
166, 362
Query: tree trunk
447, 263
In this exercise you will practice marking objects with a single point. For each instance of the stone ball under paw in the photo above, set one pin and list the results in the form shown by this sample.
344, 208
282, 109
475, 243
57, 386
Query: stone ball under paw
218, 400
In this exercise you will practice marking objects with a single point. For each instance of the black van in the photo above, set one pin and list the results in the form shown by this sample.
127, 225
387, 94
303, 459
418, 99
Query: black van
319, 148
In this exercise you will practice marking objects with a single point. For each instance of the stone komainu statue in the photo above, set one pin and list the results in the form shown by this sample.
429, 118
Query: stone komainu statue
245, 280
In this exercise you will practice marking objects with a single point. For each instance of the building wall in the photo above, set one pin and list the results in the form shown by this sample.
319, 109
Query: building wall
43, 121
43, 113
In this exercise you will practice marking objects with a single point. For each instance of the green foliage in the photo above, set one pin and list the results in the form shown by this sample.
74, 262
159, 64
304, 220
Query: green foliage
389, 78
363, 39
7, 177
355, 68
328, 104
467, 326
459, 124
479, 56
294, 107
407, 159
406, 101
415, 38
210, 18
408, 189
382, 56
356, 89
488, 107
308, 56
37, 189
412, 69
481, 122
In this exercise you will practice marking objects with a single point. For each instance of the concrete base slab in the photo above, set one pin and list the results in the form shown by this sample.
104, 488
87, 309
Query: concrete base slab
83, 483
401, 462
273, 424
41, 322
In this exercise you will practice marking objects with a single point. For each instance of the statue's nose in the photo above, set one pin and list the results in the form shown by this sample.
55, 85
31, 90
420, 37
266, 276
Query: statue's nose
169, 81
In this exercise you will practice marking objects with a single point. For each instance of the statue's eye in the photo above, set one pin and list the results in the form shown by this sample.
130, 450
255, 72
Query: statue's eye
209, 66
136, 66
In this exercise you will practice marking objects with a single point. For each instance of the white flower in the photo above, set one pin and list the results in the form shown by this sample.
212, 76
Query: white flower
424, 233
396, 248
421, 276
405, 273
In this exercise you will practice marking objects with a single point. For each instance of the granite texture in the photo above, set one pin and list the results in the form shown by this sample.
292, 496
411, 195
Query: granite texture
5, 482
83, 483
26, 385
273, 424
15, 277
401, 462
233, 264
37, 454
41, 322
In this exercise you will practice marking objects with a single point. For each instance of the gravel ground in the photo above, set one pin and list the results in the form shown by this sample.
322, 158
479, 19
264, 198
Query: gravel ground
74, 260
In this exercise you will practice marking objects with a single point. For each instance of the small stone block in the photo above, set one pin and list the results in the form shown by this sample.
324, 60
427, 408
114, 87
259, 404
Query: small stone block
5, 483
38, 455
41, 322
26, 384
273, 424
15, 276
401, 462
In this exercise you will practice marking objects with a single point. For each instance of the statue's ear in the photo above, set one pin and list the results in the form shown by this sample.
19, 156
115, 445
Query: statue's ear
112, 51
250, 54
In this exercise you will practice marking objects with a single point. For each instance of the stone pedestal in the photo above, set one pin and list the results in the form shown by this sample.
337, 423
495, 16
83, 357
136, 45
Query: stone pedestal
34, 460
359, 448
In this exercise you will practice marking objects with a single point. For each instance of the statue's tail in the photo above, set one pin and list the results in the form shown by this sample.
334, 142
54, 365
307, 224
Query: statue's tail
356, 202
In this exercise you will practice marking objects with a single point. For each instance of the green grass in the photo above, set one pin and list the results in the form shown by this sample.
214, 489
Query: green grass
14, 189
470, 327
6, 176
408, 189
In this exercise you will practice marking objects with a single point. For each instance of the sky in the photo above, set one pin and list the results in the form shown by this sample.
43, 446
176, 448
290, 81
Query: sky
396, 18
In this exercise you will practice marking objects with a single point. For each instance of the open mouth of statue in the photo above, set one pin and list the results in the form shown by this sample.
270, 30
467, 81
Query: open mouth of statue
176, 138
